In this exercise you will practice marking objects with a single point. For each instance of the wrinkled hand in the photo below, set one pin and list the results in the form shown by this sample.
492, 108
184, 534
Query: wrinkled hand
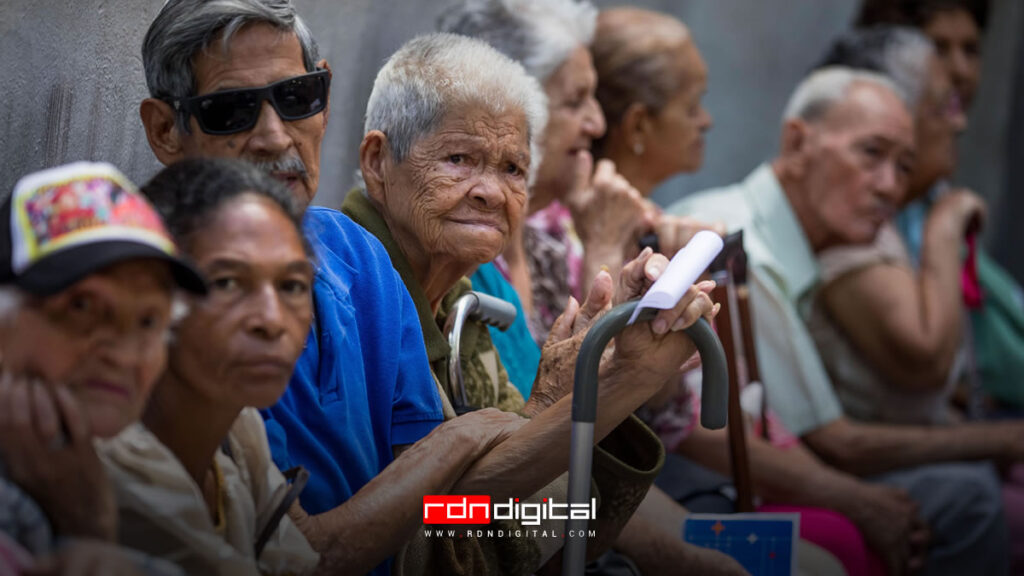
890, 523
608, 212
47, 446
484, 428
674, 232
657, 350
558, 355
960, 210
86, 558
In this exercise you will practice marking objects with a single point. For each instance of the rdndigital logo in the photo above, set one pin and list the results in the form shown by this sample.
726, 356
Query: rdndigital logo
453, 509
456, 509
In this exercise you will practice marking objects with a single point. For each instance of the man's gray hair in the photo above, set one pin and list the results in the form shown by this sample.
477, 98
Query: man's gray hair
900, 53
825, 88
184, 28
435, 74
539, 34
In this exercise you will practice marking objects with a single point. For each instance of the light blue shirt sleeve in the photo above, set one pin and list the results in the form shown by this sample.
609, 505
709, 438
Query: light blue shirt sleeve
799, 389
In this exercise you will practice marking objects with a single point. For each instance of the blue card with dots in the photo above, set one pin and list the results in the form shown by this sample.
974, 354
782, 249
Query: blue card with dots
765, 544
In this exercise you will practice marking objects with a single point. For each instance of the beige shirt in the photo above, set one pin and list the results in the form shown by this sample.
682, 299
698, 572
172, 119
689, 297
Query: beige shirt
162, 510
863, 392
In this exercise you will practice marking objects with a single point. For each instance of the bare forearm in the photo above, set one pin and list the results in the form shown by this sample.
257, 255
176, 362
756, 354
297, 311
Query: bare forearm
793, 476
374, 524
903, 331
865, 449
538, 452
941, 292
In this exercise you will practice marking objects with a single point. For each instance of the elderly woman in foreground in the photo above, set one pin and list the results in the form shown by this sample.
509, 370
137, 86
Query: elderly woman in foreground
195, 481
581, 219
451, 134
89, 276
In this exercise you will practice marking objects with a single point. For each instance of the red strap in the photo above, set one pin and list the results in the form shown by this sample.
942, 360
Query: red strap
969, 276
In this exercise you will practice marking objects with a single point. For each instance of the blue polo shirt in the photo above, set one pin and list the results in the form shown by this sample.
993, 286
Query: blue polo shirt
363, 383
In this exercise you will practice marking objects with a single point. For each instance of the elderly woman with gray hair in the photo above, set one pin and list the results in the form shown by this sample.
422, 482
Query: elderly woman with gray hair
550, 39
451, 140
581, 220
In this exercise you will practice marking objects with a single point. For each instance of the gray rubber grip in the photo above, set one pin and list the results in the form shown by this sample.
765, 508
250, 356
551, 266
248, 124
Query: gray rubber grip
493, 311
715, 372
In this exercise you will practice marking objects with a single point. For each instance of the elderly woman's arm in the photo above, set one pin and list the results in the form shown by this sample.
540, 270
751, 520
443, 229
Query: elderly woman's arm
374, 524
908, 324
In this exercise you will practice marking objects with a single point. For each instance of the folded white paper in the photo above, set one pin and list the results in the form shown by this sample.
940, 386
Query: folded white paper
683, 270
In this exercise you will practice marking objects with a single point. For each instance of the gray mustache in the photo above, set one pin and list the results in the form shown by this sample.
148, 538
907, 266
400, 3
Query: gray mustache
286, 164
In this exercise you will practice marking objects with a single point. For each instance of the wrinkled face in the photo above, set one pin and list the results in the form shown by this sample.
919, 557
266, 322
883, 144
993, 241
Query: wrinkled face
958, 42
679, 127
575, 120
259, 55
938, 120
858, 160
105, 338
238, 345
462, 189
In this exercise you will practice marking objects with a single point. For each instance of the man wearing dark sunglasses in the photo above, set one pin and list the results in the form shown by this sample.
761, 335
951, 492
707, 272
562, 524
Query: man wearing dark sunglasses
242, 79
260, 97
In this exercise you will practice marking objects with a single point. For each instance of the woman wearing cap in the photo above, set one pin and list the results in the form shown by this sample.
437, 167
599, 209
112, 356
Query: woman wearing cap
88, 281
195, 480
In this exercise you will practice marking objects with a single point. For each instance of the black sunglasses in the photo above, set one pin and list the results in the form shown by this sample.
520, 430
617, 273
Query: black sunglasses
233, 111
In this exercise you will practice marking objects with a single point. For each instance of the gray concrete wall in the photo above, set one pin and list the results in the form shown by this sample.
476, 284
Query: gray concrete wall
72, 80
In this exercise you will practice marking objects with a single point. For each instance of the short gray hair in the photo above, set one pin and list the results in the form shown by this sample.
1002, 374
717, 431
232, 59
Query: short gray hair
900, 53
433, 74
539, 34
184, 28
825, 88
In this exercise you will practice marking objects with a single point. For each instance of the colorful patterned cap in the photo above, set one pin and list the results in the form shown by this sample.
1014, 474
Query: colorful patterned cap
62, 224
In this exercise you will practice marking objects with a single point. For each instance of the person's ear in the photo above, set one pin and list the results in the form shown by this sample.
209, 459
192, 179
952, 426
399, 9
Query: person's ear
330, 75
373, 154
165, 139
794, 146
637, 127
